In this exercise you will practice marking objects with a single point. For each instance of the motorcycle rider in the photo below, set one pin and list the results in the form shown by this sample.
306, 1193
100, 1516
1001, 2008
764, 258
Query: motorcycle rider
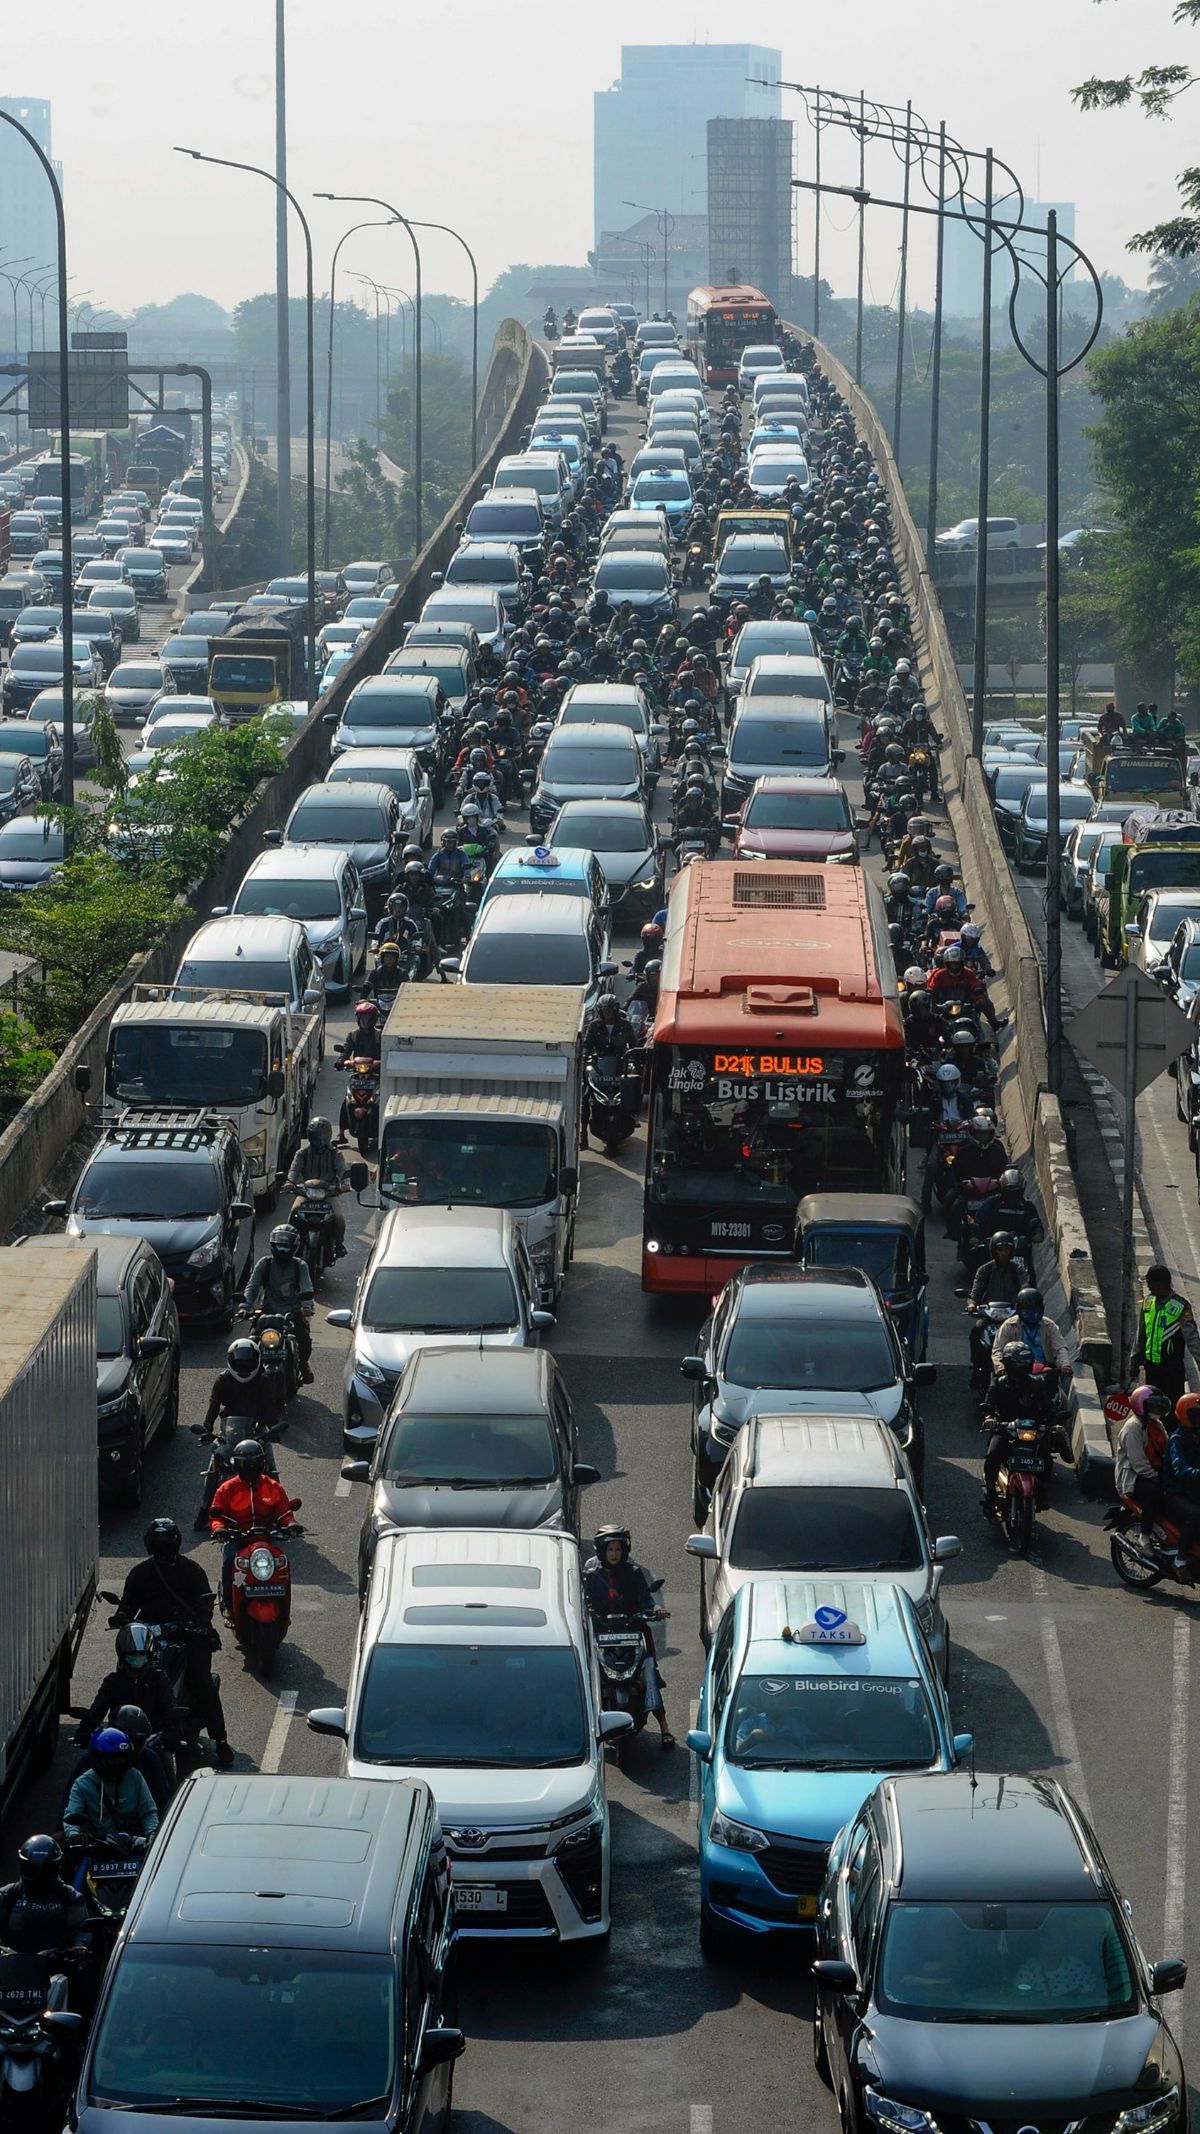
1181, 1483
1014, 1394
1166, 1328
252, 1497
362, 1043
240, 1390
385, 980
982, 1155
949, 1112
168, 1587
1040, 1335
41, 1911
134, 1680
615, 1585
322, 1161
110, 1798
1010, 1208
550, 323
651, 947
954, 980
447, 868
998, 1280
131, 1719
610, 1034
1141, 1448
280, 1282
397, 924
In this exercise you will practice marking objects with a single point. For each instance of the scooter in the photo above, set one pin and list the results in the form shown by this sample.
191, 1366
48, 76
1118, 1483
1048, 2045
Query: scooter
1022, 1479
362, 1102
36, 2032
1144, 1560
448, 916
621, 1649
280, 1354
261, 1588
313, 1218
614, 1099
111, 1862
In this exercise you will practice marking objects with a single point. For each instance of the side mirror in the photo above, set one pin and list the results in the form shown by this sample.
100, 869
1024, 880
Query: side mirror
340, 1318
276, 1082
568, 1179
54, 1207
328, 1719
82, 1078
828, 1971
963, 1745
220, 911
357, 911
360, 1177
924, 1374
450, 966
330, 718
583, 1474
1168, 1975
68, 2024
241, 1210
608, 969
541, 1318
702, 1545
152, 1345
441, 2045
838, 756
614, 1723
356, 1471
272, 837
700, 1742
1132, 932
946, 1547
693, 1367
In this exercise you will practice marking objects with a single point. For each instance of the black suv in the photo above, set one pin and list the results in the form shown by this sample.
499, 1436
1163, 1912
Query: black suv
179, 1180
137, 1357
976, 1966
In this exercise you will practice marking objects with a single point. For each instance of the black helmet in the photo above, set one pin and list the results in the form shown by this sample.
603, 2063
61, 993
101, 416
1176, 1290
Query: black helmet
320, 1132
411, 854
982, 1127
1010, 1180
135, 1646
132, 1720
604, 1534
111, 1751
899, 884
1003, 1241
162, 1538
38, 1862
414, 871
479, 759
1030, 1302
1017, 1358
249, 1460
606, 1002
242, 1359
285, 1241
944, 874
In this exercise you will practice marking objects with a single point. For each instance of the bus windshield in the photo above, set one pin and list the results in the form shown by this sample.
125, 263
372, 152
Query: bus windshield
727, 330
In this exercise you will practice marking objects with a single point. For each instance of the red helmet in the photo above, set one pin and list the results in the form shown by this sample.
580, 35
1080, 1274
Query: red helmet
368, 1008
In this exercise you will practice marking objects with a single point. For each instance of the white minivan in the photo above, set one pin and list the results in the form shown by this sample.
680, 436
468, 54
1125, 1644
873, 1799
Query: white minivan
474, 1670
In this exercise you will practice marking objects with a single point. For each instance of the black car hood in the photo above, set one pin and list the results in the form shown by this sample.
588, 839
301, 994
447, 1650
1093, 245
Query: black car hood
520, 1509
112, 1373
172, 1237
1036, 2071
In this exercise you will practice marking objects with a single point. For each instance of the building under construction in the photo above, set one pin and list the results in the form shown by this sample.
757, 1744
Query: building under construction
750, 204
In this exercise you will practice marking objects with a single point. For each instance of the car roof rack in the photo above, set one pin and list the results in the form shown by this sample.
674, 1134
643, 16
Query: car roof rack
168, 1129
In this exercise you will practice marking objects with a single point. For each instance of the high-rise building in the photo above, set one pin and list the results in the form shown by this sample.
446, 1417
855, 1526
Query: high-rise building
750, 204
28, 230
963, 270
650, 127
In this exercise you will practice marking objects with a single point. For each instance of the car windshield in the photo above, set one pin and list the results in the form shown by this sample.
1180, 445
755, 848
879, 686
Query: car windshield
289, 898
464, 1451
782, 740
395, 775
640, 570
1005, 1963
324, 823
132, 675
824, 1722
440, 1300
498, 958
38, 659
482, 615
839, 1529
1163, 919
1013, 781
584, 763
307, 2032
449, 671
601, 833
661, 486
469, 567
115, 1186
786, 682
186, 1064
797, 811
390, 709
10, 769
15, 741
260, 975
486, 1162
170, 733
758, 639
584, 710
753, 558
498, 1707
499, 519
828, 1354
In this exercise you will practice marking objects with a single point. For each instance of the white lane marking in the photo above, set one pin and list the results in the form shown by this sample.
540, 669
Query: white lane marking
1177, 1783
272, 1755
1066, 1739
694, 1762
700, 2119
343, 1486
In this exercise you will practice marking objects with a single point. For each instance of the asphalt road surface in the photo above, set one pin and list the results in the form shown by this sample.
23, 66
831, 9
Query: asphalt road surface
1055, 1667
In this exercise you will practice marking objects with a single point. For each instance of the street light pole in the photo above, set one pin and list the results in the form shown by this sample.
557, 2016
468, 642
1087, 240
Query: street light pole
372, 200
457, 234
256, 171
1053, 901
902, 294
666, 222
979, 676
7, 276
816, 303
862, 232
283, 357
935, 389
329, 374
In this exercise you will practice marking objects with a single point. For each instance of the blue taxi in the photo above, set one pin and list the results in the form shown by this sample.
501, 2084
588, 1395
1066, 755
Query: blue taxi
815, 1690
559, 871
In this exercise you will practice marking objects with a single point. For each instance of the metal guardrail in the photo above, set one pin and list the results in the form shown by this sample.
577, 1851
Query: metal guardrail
956, 566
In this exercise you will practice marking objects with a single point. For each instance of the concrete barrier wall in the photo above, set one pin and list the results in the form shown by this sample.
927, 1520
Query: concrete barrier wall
1031, 1111
42, 1132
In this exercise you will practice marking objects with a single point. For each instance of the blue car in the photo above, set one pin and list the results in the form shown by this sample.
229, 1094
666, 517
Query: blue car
815, 1690
560, 871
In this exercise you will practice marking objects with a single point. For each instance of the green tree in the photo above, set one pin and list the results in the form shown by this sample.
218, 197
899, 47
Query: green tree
1012, 643
24, 1062
1156, 89
189, 801
81, 930
1086, 604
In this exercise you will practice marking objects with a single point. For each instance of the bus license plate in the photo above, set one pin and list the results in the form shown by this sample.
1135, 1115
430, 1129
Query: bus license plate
480, 1897
806, 1907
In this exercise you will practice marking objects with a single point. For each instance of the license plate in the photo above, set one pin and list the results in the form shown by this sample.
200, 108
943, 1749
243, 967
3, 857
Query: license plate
480, 1897
806, 1907
1024, 1463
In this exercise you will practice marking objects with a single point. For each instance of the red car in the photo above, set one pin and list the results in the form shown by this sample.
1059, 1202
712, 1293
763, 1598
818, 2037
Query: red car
796, 819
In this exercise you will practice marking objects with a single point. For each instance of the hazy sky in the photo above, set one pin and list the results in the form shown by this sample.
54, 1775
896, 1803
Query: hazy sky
480, 114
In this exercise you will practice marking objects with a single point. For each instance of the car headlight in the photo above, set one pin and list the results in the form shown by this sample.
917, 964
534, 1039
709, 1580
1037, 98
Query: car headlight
898, 2118
1149, 2118
112, 1407
647, 883
737, 1836
541, 1258
721, 1427
254, 1148
205, 1254
369, 1372
262, 1564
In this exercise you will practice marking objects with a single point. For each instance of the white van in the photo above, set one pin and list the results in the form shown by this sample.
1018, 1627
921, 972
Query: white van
474, 1671
546, 473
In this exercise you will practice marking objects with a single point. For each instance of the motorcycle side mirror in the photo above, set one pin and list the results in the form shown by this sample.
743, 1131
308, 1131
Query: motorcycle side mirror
568, 1179
657, 1584
328, 1719
360, 1177
114, 1601
294, 1503
963, 1292
339, 1318
196, 1430
700, 1742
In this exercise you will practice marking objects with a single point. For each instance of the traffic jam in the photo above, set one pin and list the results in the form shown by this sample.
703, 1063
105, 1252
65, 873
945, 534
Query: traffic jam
618, 973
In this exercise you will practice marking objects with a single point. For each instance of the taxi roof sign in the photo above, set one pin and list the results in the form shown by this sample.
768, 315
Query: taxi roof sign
829, 1626
541, 856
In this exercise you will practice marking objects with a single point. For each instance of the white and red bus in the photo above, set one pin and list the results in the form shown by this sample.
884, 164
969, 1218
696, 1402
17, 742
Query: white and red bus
777, 1064
721, 322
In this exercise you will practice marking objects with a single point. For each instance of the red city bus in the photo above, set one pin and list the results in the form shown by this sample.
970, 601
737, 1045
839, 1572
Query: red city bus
777, 1064
720, 323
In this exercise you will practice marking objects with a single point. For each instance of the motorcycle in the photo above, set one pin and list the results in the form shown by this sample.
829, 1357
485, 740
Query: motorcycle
362, 1102
621, 1649
614, 1099
1142, 1561
475, 876
231, 1430
924, 774
261, 1589
313, 1218
448, 915
36, 2030
110, 1863
986, 1321
550, 326
1022, 1479
695, 563
280, 1353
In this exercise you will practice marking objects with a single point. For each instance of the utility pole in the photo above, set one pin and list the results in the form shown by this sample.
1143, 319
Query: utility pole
862, 230
979, 682
283, 361
898, 401
816, 308
935, 391
1053, 903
